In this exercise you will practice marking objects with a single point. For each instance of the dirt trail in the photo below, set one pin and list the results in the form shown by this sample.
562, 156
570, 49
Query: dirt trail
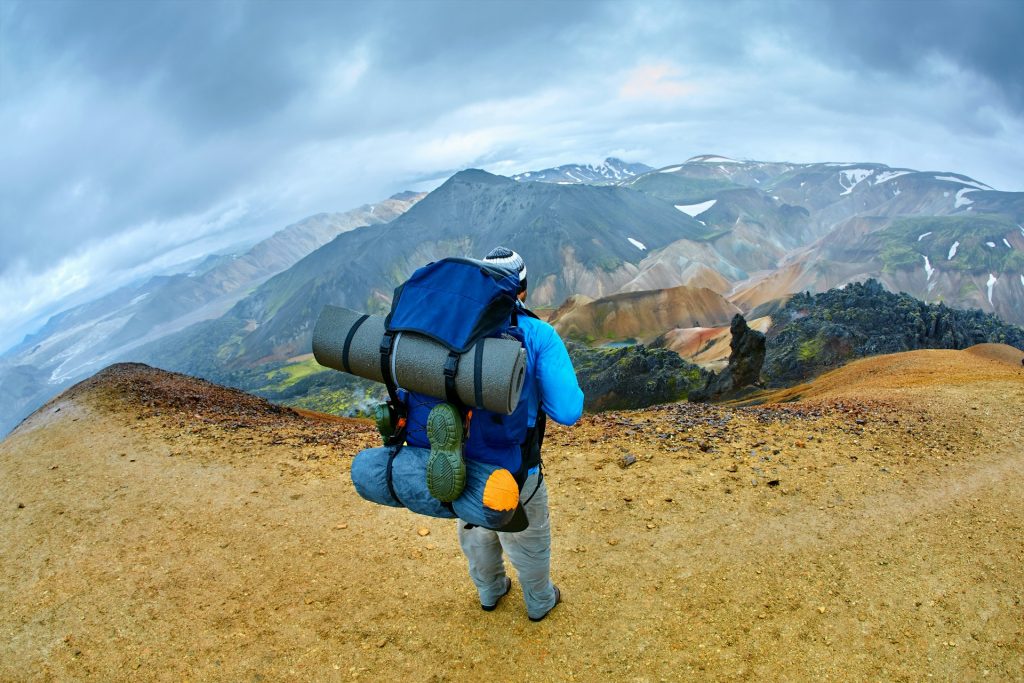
153, 527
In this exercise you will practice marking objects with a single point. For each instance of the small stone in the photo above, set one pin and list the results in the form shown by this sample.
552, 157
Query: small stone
627, 460
651, 525
613, 541
821, 610
423, 531
342, 525
800, 444
731, 468
21, 506
382, 642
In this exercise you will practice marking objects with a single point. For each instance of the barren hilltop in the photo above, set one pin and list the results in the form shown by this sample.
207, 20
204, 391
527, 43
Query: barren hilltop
867, 525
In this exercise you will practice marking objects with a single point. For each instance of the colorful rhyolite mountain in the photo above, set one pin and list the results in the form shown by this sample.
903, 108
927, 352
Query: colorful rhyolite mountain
719, 235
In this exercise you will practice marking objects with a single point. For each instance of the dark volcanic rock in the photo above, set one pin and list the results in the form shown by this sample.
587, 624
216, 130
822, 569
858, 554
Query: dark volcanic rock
632, 376
744, 368
816, 333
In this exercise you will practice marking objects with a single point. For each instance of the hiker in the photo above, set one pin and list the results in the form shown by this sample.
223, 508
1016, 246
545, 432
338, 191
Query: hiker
551, 389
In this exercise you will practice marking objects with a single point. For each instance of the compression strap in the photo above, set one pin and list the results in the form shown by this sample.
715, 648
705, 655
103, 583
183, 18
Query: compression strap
348, 343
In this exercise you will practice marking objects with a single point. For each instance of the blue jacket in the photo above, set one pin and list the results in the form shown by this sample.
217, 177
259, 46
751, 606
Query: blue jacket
550, 378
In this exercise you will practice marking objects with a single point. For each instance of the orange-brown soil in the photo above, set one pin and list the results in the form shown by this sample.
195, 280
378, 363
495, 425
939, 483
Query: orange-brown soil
153, 527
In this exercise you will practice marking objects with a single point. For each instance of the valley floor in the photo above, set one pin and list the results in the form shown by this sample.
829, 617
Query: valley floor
157, 528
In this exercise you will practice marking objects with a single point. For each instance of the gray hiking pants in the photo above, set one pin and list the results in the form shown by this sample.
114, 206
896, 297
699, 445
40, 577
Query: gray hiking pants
529, 550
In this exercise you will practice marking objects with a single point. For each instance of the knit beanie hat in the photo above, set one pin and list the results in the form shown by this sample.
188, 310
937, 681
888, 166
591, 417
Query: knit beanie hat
506, 258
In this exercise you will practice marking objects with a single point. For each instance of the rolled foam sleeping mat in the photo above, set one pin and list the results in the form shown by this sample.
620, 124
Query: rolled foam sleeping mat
489, 499
417, 363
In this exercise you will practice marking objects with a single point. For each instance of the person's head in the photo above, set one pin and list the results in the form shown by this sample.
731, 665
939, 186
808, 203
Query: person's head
506, 258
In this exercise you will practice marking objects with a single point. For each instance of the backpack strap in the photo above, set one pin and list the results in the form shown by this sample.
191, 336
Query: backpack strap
451, 368
396, 405
348, 343
392, 452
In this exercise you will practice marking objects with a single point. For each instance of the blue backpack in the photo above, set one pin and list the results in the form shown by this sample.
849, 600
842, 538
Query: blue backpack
456, 302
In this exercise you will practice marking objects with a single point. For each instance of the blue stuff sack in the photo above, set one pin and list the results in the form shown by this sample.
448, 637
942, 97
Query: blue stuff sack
489, 499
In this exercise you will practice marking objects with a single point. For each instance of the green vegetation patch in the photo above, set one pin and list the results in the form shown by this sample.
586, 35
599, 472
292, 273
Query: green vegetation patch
901, 245
287, 375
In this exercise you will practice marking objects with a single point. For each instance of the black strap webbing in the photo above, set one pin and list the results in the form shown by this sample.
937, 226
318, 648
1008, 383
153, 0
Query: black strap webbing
478, 374
540, 480
391, 464
451, 368
386, 344
348, 343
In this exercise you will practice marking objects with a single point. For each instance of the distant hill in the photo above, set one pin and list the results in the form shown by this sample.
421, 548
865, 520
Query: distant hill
80, 340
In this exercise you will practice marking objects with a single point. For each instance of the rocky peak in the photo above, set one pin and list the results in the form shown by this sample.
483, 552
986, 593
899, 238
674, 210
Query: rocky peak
744, 368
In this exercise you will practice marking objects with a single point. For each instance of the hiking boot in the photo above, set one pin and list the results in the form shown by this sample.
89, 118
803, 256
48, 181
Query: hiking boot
446, 470
491, 608
558, 599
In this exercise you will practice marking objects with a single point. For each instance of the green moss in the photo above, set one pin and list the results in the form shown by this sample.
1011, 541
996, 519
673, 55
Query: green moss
810, 349
967, 289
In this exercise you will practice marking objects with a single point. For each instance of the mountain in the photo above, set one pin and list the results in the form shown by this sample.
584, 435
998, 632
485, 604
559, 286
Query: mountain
577, 239
611, 172
80, 340
781, 228
641, 315
748, 234
157, 527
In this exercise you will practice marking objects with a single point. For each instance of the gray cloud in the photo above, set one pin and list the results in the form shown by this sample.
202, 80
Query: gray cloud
133, 129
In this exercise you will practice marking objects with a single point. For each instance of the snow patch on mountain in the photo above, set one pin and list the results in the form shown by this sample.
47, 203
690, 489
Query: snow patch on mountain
923, 235
928, 270
991, 245
696, 209
611, 170
670, 169
1007, 244
961, 199
972, 183
637, 243
886, 176
992, 280
952, 250
712, 159
851, 178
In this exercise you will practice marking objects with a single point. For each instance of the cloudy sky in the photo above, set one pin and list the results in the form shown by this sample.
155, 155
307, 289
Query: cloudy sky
137, 135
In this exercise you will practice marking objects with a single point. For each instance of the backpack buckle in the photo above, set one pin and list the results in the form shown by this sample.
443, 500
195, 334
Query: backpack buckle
451, 365
385, 343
